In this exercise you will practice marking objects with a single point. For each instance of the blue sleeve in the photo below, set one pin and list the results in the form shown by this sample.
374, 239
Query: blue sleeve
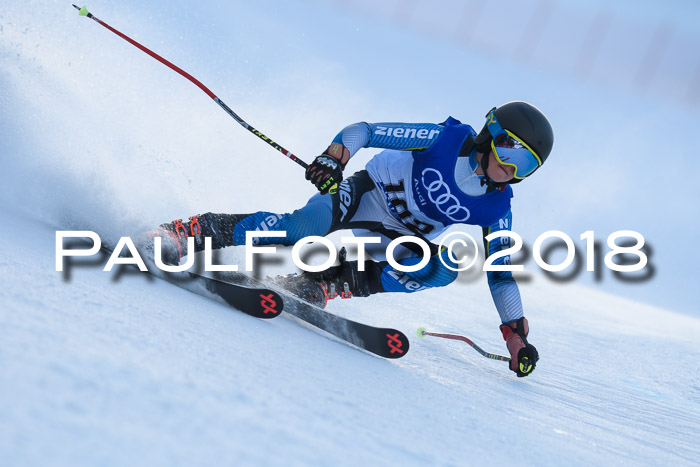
392, 135
504, 290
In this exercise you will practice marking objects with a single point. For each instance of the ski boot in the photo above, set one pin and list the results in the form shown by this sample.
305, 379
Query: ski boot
344, 280
175, 234
307, 288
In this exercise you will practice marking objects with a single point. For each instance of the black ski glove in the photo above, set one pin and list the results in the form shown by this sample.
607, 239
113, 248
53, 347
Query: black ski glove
326, 170
523, 356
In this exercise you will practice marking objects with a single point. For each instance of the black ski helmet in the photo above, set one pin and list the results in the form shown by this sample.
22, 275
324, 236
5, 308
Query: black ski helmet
525, 121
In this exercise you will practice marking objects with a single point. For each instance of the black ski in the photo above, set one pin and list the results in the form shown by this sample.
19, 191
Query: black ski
259, 302
262, 301
253, 299
385, 342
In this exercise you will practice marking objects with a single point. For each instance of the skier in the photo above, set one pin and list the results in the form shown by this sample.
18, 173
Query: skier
427, 178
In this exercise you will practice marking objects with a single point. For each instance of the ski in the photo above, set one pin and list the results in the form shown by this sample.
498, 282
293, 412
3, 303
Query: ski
384, 342
259, 302
252, 299
263, 301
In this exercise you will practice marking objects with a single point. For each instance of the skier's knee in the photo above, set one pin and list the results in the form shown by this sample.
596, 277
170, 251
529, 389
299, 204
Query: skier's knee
433, 274
440, 270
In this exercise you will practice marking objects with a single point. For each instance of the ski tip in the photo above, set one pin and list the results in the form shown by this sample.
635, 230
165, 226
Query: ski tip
420, 332
82, 11
397, 344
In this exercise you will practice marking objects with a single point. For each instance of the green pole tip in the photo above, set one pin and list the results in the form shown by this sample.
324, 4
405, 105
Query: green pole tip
83, 11
421, 332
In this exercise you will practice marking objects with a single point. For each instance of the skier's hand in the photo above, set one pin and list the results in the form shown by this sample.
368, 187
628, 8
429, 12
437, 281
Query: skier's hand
326, 171
523, 356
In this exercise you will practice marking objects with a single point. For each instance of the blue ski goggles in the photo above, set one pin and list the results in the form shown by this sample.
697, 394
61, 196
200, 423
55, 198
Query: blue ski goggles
511, 150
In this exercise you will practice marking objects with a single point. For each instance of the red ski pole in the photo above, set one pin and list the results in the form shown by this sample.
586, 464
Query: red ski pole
421, 332
84, 12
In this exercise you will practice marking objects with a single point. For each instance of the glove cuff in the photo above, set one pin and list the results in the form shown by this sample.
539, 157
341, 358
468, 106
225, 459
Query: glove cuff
338, 152
519, 328
523, 355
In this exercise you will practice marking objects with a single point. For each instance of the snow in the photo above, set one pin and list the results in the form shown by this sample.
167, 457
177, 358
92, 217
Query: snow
121, 368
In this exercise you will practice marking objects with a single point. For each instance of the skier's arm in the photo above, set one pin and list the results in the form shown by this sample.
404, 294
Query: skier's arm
388, 135
504, 290
506, 296
326, 171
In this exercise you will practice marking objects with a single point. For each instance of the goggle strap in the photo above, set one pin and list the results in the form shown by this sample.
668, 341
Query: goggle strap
493, 125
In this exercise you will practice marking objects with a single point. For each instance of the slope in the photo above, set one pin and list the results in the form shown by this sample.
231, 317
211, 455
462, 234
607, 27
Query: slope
114, 369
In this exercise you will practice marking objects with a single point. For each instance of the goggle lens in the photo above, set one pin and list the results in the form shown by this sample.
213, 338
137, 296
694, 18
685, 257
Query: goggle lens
506, 141
510, 150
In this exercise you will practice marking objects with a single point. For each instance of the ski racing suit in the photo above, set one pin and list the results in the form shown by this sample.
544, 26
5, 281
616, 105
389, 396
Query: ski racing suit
421, 183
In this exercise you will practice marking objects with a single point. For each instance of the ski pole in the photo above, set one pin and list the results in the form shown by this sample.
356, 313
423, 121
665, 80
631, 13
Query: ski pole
422, 332
84, 12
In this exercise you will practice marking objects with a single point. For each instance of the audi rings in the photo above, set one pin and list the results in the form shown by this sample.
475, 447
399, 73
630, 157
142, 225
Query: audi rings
440, 195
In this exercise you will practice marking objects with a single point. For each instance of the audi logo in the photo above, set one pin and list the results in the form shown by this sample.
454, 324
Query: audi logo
440, 195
